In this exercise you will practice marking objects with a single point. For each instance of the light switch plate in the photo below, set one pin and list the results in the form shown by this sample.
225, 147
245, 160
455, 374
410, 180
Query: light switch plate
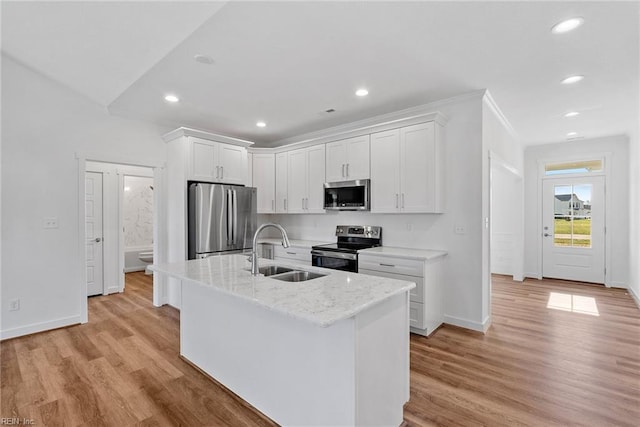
459, 229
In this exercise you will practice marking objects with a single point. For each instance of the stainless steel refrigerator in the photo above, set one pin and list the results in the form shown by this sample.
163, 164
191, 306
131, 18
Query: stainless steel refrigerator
222, 219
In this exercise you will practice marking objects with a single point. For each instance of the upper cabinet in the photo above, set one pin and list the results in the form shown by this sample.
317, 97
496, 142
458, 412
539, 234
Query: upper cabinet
282, 182
217, 162
305, 179
407, 170
264, 179
348, 159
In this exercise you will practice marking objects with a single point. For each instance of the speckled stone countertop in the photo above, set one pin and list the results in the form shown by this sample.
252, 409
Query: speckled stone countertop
323, 301
293, 242
389, 251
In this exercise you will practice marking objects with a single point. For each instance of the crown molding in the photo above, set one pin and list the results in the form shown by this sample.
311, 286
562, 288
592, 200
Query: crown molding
491, 103
183, 131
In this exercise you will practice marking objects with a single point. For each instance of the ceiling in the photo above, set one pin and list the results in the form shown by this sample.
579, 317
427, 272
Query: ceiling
287, 62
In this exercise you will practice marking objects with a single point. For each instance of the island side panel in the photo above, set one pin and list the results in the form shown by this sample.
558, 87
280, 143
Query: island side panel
382, 362
293, 371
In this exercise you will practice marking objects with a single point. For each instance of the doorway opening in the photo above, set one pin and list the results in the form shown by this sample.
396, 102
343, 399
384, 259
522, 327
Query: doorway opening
119, 211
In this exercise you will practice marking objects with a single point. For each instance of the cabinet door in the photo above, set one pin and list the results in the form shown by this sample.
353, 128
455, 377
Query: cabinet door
385, 176
297, 181
336, 161
233, 164
358, 158
203, 160
315, 179
264, 176
417, 168
282, 166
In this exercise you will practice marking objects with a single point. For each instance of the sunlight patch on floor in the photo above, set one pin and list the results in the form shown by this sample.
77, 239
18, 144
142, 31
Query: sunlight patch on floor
573, 303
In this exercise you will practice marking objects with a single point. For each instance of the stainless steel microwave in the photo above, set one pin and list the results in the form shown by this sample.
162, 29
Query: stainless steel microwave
347, 195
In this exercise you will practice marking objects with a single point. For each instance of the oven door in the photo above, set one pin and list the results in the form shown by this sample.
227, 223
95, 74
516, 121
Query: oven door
335, 260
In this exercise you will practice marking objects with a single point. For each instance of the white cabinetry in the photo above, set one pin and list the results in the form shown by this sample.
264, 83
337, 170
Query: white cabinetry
426, 299
217, 162
305, 189
282, 166
348, 159
264, 179
407, 170
299, 254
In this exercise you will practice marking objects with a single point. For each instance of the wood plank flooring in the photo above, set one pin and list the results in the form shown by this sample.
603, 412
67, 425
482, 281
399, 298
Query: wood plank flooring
536, 366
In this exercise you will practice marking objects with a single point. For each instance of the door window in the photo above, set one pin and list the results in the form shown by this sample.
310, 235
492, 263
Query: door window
572, 215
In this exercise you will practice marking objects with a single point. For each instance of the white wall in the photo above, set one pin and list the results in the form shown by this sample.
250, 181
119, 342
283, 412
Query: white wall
44, 125
501, 149
617, 212
634, 209
463, 279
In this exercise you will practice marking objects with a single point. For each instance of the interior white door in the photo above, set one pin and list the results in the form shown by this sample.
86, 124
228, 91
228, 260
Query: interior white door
574, 229
93, 231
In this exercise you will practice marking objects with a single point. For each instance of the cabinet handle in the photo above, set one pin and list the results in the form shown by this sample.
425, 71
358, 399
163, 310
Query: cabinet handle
221, 172
217, 171
396, 200
343, 170
291, 253
347, 170
387, 265
402, 200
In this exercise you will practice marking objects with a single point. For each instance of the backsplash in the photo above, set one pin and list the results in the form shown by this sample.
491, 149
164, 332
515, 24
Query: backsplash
138, 211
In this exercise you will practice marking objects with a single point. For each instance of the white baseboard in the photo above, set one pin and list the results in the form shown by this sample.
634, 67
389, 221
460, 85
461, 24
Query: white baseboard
468, 324
39, 327
622, 285
532, 275
133, 269
634, 295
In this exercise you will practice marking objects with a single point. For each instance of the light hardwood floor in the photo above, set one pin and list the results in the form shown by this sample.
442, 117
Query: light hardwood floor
536, 366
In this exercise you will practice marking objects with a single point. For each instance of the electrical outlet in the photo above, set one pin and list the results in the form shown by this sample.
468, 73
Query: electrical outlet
409, 226
459, 229
50, 222
14, 305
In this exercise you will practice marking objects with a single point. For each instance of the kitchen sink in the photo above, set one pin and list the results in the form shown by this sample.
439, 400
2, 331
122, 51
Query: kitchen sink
270, 270
297, 276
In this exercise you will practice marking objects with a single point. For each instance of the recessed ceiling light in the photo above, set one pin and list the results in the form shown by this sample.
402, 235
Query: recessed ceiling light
362, 92
566, 26
203, 59
261, 124
571, 114
572, 134
171, 98
572, 79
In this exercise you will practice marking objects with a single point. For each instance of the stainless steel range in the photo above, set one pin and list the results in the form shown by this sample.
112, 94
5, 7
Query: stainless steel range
343, 255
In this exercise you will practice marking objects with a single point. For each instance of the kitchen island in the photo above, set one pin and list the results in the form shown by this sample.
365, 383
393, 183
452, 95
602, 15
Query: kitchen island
333, 350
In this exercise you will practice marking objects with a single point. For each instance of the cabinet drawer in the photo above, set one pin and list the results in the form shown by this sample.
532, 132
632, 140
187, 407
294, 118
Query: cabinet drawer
416, 294
298, 254
416, 315
409, 267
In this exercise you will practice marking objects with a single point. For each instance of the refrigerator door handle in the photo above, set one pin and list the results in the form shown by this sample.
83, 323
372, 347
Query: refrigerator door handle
235, 216
229, 218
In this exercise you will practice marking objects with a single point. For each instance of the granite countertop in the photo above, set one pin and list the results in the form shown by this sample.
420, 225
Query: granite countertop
389, 251
322, 301
293, 242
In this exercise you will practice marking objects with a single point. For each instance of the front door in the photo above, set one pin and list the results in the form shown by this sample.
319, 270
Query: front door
93, 232
573, 222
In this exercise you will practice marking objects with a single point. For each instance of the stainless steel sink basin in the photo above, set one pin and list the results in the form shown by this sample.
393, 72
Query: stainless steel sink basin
298, 276
270, 270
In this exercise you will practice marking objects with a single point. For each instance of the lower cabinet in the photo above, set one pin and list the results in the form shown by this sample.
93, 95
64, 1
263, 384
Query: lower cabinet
299, 254
426, 299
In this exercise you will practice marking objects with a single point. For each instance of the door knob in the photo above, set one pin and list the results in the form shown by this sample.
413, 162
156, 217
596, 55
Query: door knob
546, 235
98, 240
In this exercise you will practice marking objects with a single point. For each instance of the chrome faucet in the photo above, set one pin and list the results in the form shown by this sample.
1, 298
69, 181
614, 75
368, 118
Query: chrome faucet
254, 252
